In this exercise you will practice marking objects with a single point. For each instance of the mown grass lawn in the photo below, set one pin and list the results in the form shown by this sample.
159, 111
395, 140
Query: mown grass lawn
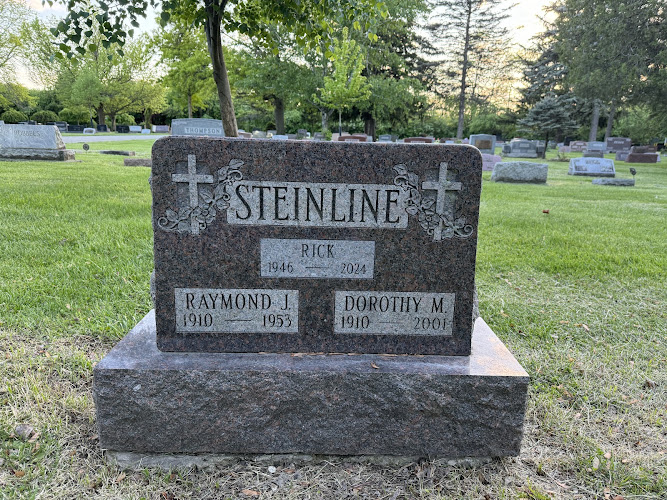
578, 295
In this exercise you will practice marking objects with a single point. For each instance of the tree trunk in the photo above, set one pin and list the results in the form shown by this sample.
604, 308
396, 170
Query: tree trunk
610, 120
279, 114
325, 120
464, 74
595, 118
214, 12
189, 105
546, 145
100, 115
147, 118
340, 122
113, 122
369, 124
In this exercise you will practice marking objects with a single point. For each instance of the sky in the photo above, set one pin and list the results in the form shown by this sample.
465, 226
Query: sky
523, 23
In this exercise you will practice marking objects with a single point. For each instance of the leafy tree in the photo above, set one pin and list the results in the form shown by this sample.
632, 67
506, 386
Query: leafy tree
87, 90
395, 67
13, 116
13, 13
189, 72
550, 116
44, 116
306, 19
76, 114
15, 96
472, 35
605, 45
347, 86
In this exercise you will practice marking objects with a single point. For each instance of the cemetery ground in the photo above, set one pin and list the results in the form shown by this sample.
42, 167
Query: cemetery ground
570, 275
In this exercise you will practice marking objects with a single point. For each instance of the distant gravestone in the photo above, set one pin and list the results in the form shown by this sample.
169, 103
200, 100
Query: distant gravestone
122, 129
489, 161
384, 138
244, 135
102, 128
259, 134
89, 131
135, 129
279, 137
33, 142
596, 146
75, 128
564, 149
351, 138
520, 148
424, 140
642, 157
614, 182
145, 131
578, 146
622, 155
486, 143
202, 127
160, 129
62, 126
616, 144
597, 167
593, 154
318, 136
2, 122
520, 171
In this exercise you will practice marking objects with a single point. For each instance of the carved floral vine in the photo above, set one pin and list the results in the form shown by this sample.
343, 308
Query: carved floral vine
423, 208
212, 198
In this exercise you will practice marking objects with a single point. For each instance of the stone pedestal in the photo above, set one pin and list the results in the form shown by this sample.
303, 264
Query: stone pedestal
37, 154
150, 401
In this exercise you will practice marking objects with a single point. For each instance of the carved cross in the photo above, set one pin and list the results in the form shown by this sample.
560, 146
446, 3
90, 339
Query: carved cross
441, 186
193, 180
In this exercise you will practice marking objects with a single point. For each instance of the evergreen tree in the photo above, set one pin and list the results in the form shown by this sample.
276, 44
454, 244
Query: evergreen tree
550, 116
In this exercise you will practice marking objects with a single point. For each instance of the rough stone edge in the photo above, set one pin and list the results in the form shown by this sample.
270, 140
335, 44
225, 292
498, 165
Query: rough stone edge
37, 154
129, 460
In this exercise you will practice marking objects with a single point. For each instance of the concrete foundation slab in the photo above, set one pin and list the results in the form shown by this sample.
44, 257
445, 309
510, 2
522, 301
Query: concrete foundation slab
150, 401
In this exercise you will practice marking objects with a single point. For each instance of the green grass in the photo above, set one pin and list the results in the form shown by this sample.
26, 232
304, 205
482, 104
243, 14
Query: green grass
141, 147
577, 294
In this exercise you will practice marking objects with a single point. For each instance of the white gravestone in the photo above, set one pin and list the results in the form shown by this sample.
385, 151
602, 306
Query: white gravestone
202, 127
38, 142
597, 167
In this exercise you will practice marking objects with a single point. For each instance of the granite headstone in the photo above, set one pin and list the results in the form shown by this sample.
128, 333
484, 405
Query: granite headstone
578, 146
135, 129
616, 144
266, 248
197, 127
486, 143
352, 210
597, 167
520, 148
33, 142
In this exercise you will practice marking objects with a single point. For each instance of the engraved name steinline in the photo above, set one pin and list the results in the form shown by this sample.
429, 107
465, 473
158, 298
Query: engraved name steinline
317, 204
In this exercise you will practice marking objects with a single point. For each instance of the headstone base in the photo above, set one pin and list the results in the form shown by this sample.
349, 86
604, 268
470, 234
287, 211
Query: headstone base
150, 401
37, 154
169, 461
614, 182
